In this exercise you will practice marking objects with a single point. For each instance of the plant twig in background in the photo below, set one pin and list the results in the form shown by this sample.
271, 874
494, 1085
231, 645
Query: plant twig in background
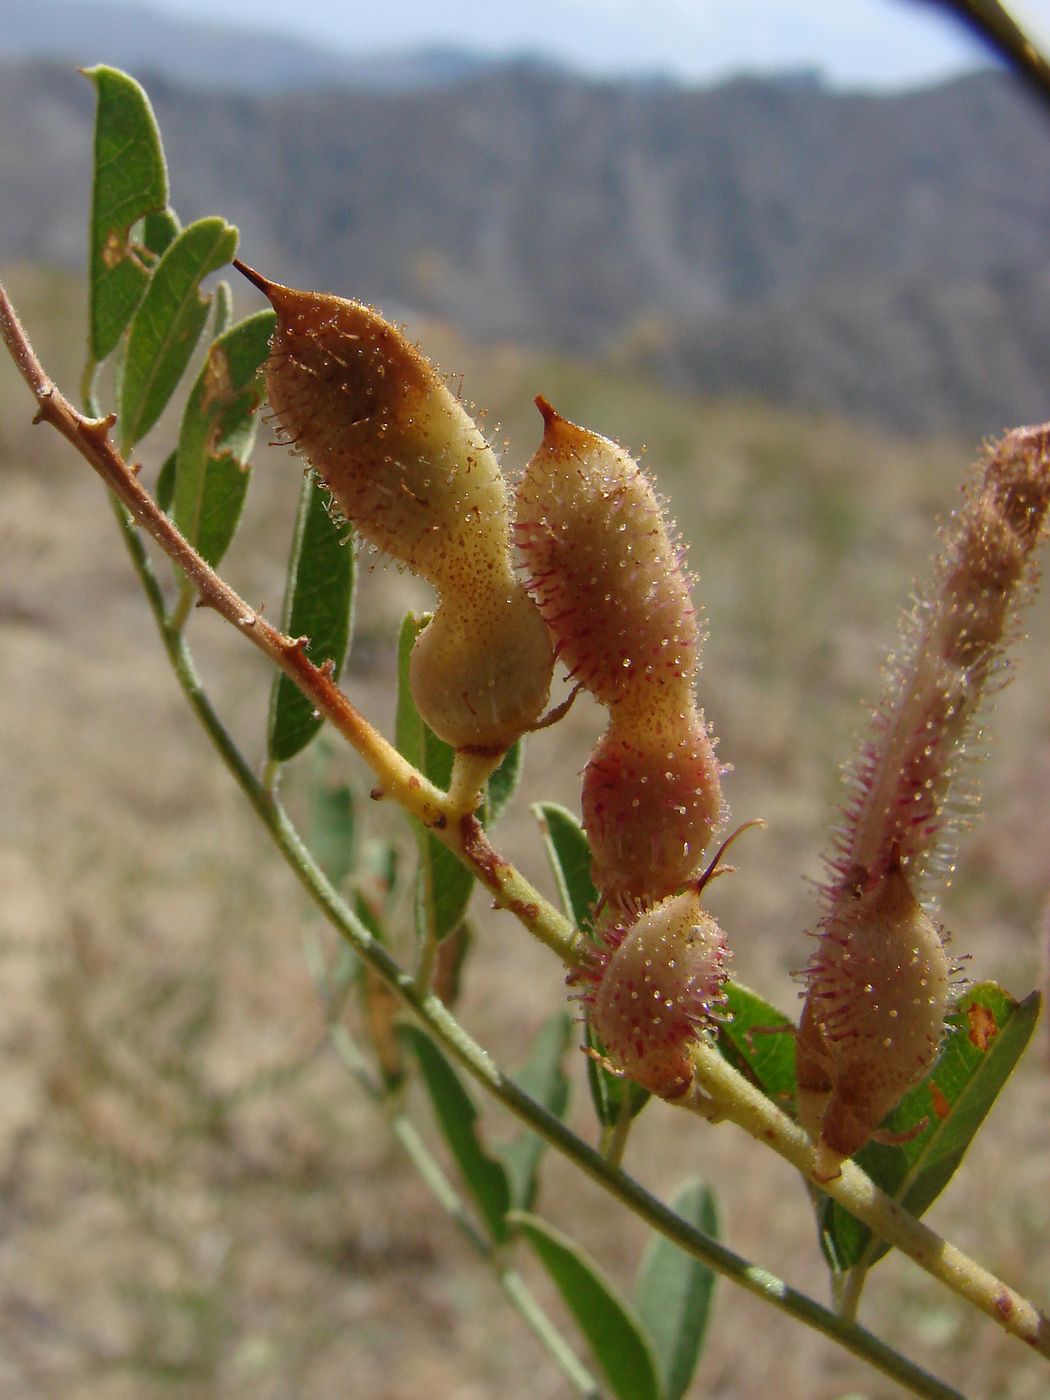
994, 23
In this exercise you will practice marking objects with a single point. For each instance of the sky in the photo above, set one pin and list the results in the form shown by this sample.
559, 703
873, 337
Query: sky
882, 43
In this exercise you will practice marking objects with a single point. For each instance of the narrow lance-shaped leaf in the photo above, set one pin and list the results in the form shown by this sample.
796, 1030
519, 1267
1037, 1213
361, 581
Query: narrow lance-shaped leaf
445, 883
485, 1177
333, 830
570, 859
165, 492
223, 302
503, 783
160, 228
613, 1095
989, 1032
613, 1330
542, 1077
217, 435
318, 604
130, 180
674, 1290
759, 1041
167, 324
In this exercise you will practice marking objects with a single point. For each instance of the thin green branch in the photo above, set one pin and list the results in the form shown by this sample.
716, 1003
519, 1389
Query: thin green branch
614, 1137
436, 1017
412, 791
448, 1197
451, 824
719, 1091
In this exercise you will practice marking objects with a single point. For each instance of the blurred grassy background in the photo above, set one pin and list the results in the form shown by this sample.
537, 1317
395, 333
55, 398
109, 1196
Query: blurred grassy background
196, 1200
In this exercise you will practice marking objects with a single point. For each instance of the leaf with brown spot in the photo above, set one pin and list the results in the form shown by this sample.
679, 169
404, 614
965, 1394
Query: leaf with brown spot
964, 1083
982, 1029
217, 434
130, 181
941, 1106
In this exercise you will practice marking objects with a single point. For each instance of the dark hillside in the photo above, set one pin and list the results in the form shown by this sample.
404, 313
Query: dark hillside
886, 256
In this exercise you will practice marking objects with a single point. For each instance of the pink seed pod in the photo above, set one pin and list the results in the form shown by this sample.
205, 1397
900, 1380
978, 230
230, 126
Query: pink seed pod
908, 790
608, 578
877, 992
604, 570
652, 990
407, 465
651, 800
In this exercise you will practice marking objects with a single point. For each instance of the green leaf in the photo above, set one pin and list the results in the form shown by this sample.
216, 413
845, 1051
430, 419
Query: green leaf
130, 180
485, 1177
612, 1094
759, 1041
318, 603
167, 324
542, 1077
615, 1334
450, 963
989, 1032
166, 482
673, 1292
445, 884
217, 435
333, 831
570, 858
159, 230
503, 783
223, 308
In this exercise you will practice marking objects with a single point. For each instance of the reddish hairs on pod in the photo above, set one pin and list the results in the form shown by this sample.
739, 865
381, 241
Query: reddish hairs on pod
407, 465
655, 983
608, 579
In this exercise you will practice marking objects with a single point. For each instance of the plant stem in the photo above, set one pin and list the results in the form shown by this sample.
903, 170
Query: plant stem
717, 1085
614, 1143
440, 1022
421, 799
515, 1287
460, 831
1003, 32
850, 1288
510, 1280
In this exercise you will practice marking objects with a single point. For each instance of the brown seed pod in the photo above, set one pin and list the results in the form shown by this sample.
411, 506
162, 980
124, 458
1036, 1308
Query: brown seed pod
407, 465
609, 580
652, 988
603, 567
877, 993
480, 670
651, 800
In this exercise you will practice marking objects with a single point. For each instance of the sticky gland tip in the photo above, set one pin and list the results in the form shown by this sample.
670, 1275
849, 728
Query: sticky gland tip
257, 278
550, 416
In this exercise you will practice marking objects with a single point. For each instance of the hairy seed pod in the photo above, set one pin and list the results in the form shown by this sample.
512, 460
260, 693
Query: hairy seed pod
608, 579
407, 465
909, 791
877, 993
651, 798
651, 990
604, 569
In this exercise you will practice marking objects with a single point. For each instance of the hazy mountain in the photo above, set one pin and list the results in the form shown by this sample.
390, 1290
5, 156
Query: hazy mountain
210, 55
885, 255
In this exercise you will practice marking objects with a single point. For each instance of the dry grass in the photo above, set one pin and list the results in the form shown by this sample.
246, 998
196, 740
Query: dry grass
196, 1200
